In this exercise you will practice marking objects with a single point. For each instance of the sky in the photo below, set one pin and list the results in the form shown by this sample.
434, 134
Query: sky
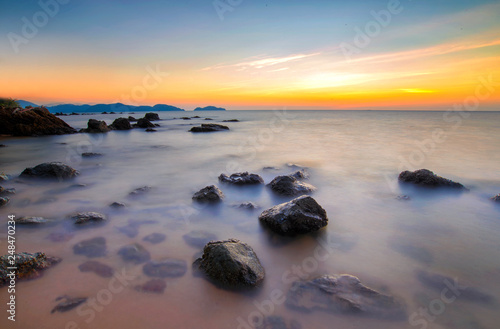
253, 54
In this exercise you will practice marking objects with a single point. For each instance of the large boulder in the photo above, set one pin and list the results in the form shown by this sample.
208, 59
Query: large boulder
151, 116
426, 178
231, 263
343, 294
289, 185
242, 178
96, 126
299, 216
29, 266
144, 123
209, 194
57, 170
121, 124
32, 122
208, 127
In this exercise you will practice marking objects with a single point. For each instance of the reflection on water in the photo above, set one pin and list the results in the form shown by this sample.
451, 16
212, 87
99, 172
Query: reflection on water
354, 159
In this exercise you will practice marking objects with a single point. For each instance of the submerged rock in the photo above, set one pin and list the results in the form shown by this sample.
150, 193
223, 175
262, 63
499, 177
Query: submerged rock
117, 205
290, 186
343, 294
129, 230
231, 263
96, 126
496, 198
208, 127
140, 190
155, 238
68, 303
121, 124
144, 123
403, 198
276, 322
92, 248
29, 266
210, 194
243, 178
4, 201
462, 291
198, 238
151, 116
134, 253
151, 130
57, 170
98, 268
88, 217
299, 216
168, 268
4, 177
425, 177
246, 206
231, 120
31, 220
156, 286
31, 122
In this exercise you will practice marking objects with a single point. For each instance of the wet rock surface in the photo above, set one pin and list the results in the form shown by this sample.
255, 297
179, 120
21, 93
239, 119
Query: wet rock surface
67, 303
231, 264
168, 268
29, 266
426, 178
246, 206
208, 127
31, 220
4, 201
92, 248
209, 194
343, 294
117, 205
156, 286
31, 122
243, 178
299, 216
155, 238
134, 253
53, 170
88, 217
198, 238
121, 124
496, 198
290, 186
98, 268
91, 155
96, 126
140, 191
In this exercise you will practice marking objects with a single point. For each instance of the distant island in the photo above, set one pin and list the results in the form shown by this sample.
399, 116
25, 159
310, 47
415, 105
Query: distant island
209, 108
98, 108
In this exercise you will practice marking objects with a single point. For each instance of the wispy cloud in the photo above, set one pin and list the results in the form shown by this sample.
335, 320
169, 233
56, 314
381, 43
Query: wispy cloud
261, 63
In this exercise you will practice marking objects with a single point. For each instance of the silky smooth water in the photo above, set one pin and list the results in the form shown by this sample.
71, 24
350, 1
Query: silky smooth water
354, 158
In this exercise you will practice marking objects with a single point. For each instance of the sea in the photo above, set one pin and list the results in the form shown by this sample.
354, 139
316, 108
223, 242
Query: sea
380, 231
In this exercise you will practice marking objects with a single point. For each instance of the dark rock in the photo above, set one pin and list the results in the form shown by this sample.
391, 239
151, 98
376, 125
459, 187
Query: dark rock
299, 216
117, 205
150, 130
151, 116
300, 174
31, 220
3, 177
343, 294
98, 268
208, 119
198, 238
243, 178
91, 155
496, 198
132, 119
156, 286
29, 266
68, 303
140, 191
87, 217
92, 248
121, 124
8, 191
3, 145
169, 268
290, 186
144, 123
155, 238
208, 127
4, 201
231, 263
31, 122
196, 117
134, 253
438, 282
231, 120
209, 194
185, 118
129, 230
246, 206
53, 170
427, 178
276, 322
96, 126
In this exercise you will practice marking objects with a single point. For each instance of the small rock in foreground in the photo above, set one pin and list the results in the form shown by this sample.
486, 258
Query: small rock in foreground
243, 178
4, 201
425, 177
31, 220
210, 194
290, 186
68, 303
88, 217
29, 266
496, 198
208, 127
57, 170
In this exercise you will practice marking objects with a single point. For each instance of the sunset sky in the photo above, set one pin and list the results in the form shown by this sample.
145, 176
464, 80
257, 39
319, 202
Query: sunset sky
252, 54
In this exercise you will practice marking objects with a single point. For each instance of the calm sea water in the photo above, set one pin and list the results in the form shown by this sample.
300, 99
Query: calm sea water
354, 159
